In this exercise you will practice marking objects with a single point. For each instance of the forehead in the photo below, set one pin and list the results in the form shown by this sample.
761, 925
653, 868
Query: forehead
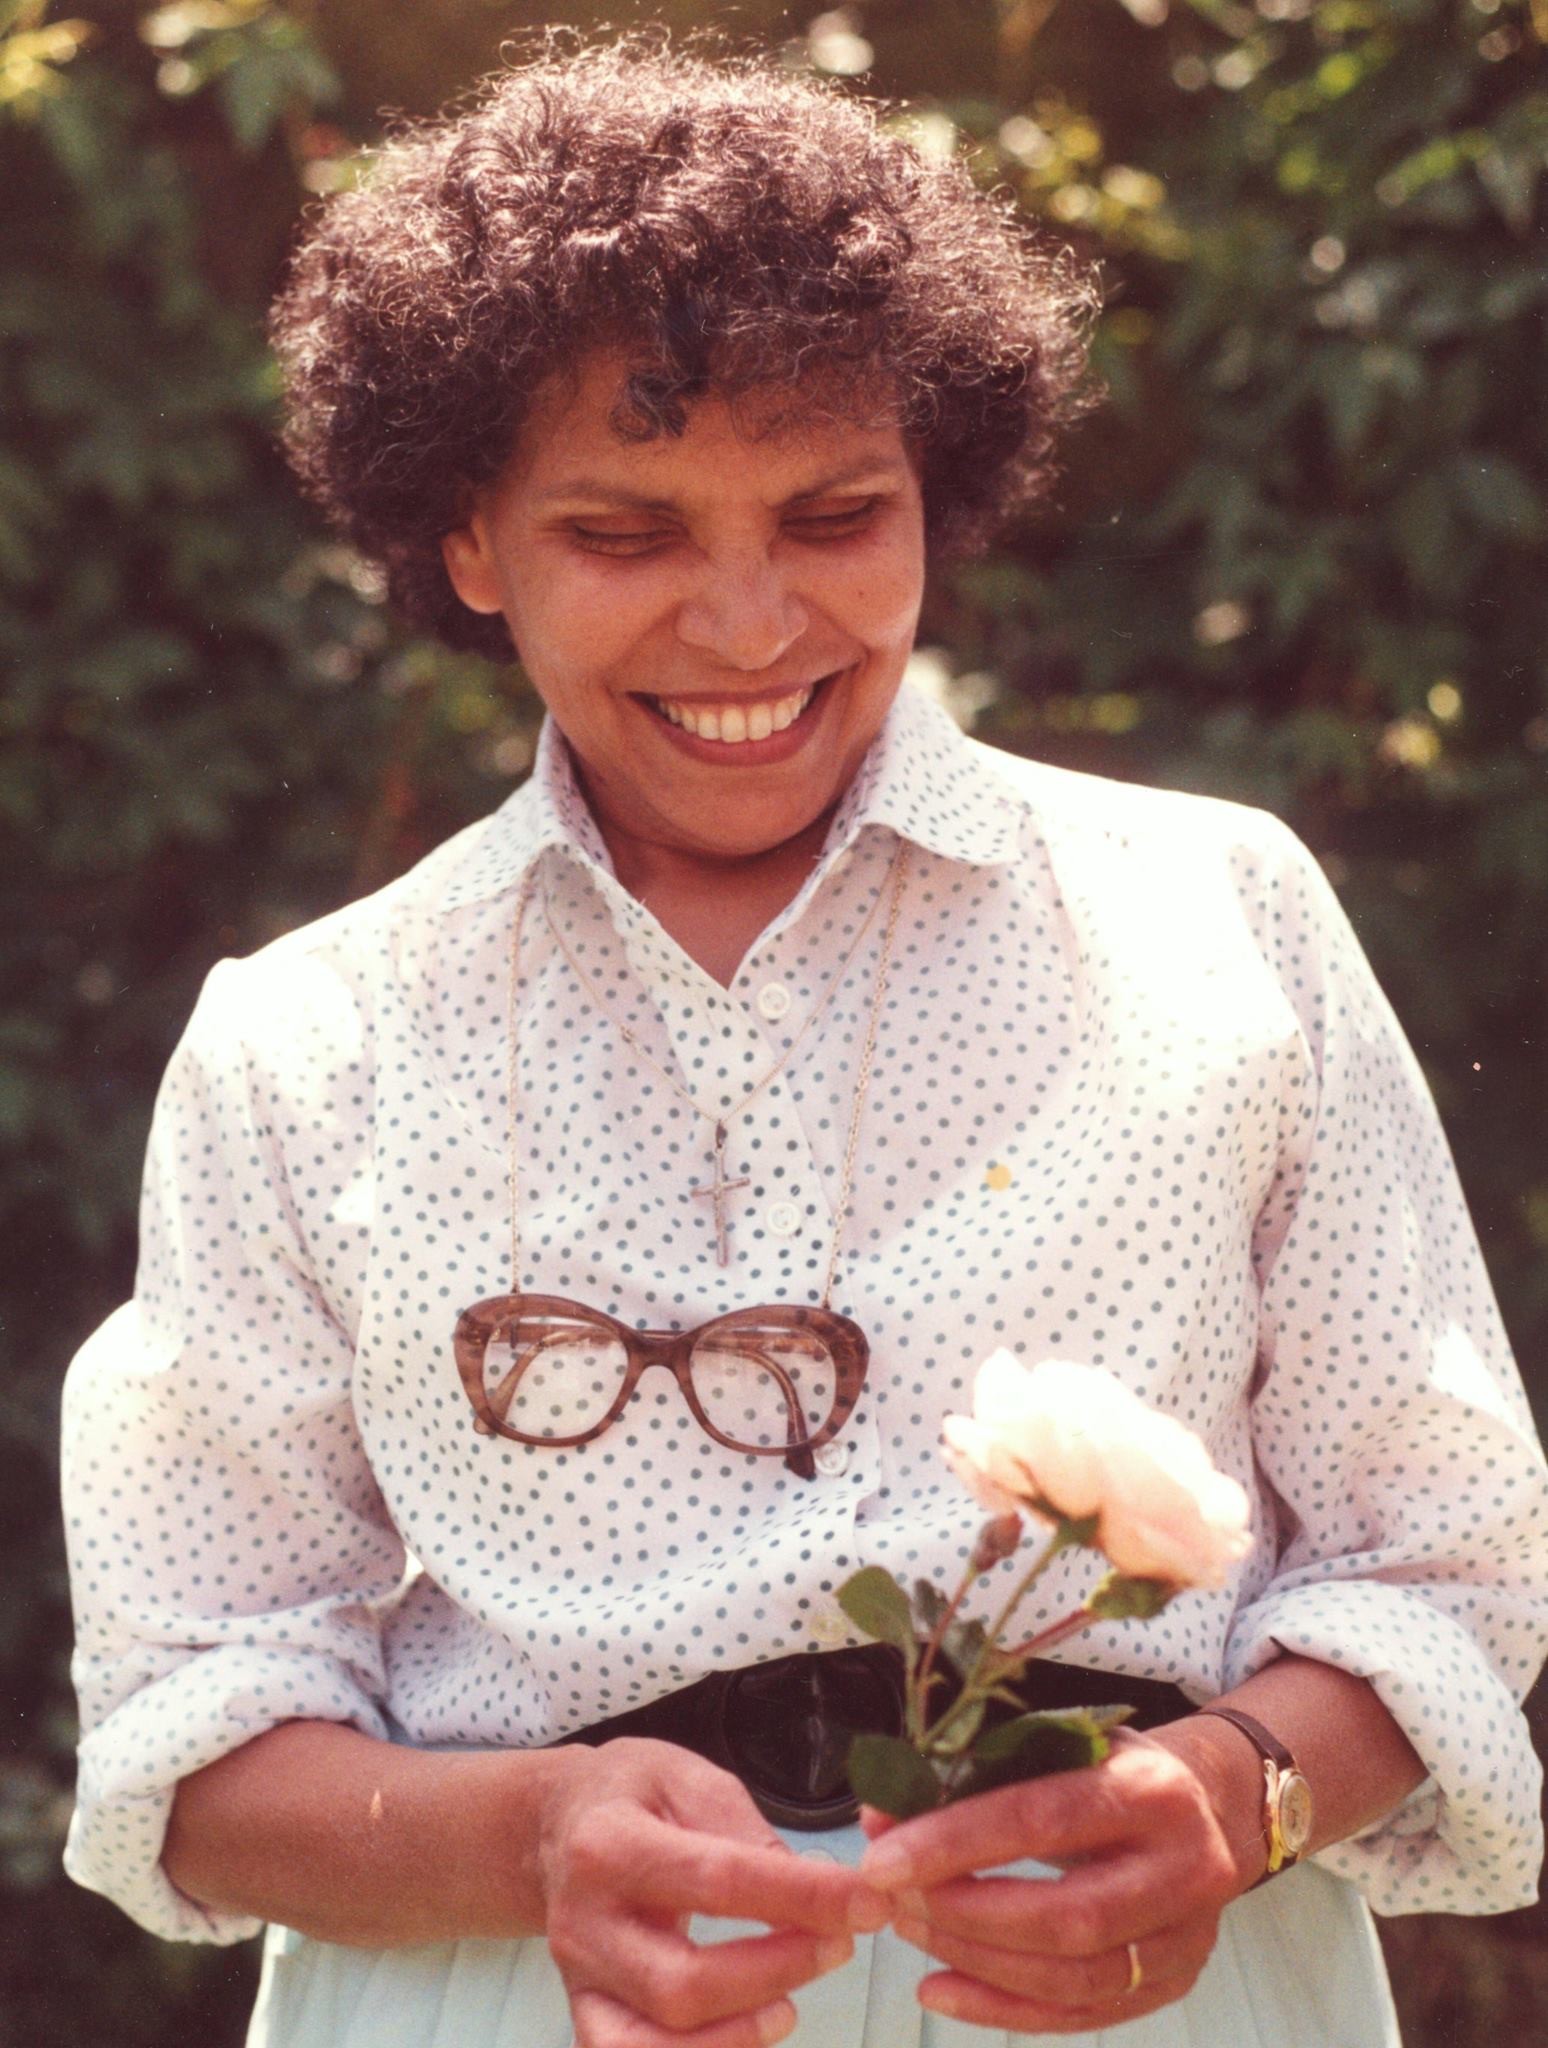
774, 439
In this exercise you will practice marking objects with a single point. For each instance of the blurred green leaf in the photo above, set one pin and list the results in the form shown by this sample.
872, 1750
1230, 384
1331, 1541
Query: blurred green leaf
878, 1606
888, 1773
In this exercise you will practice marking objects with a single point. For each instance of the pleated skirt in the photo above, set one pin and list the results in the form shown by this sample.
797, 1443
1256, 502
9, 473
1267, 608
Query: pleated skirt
1297, 1965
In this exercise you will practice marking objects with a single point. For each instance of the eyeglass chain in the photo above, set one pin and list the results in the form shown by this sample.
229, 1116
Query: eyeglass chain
883, 965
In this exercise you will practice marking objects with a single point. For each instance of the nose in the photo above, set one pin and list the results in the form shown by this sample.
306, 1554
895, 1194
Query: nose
742, 612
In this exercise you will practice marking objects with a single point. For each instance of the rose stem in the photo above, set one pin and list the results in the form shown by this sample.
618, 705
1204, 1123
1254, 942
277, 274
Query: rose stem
1061, 1539
919, 1704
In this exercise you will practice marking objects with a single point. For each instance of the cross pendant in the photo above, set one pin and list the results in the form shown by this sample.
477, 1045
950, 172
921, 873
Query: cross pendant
722, 1187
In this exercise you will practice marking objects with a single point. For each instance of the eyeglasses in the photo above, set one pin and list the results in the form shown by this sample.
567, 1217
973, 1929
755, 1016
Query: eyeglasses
775, 1382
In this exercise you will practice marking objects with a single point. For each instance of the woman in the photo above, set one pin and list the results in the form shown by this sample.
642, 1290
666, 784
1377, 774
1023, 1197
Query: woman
768, 1003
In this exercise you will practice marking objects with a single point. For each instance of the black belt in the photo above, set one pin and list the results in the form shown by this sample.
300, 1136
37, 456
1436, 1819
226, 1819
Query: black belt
783, 1727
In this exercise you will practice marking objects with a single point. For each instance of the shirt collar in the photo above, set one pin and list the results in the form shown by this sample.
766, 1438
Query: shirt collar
920, 779
923, 780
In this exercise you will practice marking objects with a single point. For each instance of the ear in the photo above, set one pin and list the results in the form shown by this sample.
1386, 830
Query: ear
470, 564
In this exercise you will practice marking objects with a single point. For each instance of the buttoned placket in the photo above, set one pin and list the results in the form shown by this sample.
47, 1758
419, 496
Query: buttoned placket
781, 1226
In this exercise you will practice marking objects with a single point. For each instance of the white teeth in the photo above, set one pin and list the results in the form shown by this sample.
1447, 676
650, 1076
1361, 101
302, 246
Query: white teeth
733, 723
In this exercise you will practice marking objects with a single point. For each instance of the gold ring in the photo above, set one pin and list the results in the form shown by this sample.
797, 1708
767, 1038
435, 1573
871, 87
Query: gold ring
1136, 1972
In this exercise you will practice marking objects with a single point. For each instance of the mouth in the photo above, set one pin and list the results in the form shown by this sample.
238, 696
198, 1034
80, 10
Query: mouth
730, 723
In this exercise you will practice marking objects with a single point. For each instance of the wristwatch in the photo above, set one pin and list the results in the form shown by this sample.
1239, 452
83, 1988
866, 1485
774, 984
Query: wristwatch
1287, 1799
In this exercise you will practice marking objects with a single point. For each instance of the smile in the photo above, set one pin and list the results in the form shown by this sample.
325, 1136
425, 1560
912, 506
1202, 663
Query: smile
734, 723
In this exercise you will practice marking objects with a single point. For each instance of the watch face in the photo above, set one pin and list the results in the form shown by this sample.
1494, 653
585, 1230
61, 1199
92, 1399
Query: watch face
1295, 1812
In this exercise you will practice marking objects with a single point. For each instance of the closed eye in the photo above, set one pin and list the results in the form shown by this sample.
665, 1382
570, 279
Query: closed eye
805, 526
831, 525
620, 543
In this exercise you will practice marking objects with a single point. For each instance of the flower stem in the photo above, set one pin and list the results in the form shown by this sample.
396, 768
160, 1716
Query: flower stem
1065, 1536
920, 1691
1061, 1539
1056, 1632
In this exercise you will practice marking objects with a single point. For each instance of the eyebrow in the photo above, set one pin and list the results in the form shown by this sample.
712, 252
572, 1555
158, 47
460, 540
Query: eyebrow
600, 492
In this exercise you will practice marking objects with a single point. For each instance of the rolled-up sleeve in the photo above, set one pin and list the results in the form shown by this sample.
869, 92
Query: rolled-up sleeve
1392, 1428
229, 1551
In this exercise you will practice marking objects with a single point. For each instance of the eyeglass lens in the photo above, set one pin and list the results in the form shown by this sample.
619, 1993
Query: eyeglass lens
761, 1385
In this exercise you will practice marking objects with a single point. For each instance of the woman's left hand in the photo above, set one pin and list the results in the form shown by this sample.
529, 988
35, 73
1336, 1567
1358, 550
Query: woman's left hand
1148, 1864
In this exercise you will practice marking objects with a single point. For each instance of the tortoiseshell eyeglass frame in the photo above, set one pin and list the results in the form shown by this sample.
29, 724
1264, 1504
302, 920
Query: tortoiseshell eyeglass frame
797, 1325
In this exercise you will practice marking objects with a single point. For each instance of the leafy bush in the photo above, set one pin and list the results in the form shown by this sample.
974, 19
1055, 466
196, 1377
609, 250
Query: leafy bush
1299, 559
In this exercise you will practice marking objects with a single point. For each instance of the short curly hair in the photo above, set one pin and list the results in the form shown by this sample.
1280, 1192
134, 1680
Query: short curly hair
722, 223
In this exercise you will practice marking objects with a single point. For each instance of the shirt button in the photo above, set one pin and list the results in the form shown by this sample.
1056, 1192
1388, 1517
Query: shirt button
773, 1000
784, 1219
832, 1460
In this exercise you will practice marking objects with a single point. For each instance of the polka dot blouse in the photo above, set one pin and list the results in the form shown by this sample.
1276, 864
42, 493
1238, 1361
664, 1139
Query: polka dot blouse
1136, 1100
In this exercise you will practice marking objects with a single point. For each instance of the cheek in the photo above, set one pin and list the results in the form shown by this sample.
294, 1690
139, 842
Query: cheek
575, 628
876, 596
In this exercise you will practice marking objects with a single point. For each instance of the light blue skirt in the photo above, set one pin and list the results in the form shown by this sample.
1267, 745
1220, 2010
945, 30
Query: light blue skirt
1297, 1965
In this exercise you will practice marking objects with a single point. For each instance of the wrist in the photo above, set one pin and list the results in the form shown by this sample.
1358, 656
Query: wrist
542, 1793
1231, 1777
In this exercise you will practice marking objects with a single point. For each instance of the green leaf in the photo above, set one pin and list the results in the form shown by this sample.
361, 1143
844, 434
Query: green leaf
1035, 1746
1084, 1725
1500, 497
878, 1606
964, 1643
960, 1729
888, 1773
930, 1604
1122, 1599
253, 92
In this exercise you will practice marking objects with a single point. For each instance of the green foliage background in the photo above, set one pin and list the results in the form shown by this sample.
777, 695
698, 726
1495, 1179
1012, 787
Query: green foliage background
1300, 559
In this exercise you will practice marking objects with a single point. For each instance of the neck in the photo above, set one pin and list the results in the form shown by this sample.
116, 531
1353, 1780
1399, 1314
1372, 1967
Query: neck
714, 906
652, 869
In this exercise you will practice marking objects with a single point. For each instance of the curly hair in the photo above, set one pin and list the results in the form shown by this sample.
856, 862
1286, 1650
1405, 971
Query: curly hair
724, 225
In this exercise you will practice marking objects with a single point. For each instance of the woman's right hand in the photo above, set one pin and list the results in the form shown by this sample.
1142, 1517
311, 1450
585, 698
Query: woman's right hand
637, 1838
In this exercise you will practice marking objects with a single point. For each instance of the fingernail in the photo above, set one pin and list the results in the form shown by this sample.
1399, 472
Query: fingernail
869, 1911
837, 1949
938, 1998
776, 2022
912, 1930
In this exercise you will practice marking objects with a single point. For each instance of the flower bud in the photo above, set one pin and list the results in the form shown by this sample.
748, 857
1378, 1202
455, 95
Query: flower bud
997, 1540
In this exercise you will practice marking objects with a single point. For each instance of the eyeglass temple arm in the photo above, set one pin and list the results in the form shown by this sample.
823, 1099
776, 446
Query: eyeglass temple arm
503, 1393
798, 1458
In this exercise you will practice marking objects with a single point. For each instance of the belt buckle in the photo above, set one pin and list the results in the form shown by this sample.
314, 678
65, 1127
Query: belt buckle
785, 1728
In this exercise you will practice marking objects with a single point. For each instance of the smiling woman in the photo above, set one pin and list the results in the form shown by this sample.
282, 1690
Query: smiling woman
666, 370
777, 1035
737, 600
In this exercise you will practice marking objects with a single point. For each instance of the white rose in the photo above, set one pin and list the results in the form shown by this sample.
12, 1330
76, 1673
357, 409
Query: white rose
1071, 1440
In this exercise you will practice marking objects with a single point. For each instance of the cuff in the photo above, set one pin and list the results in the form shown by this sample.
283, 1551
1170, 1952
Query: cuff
130, 1766
1468, 1840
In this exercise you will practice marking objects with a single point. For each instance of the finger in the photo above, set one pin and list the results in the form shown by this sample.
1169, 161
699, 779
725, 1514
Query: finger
1063, 1980
668, 1869
601, 2022
1099, 1906
876, 1823
982, 2005
1136, 1793
680, 1984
